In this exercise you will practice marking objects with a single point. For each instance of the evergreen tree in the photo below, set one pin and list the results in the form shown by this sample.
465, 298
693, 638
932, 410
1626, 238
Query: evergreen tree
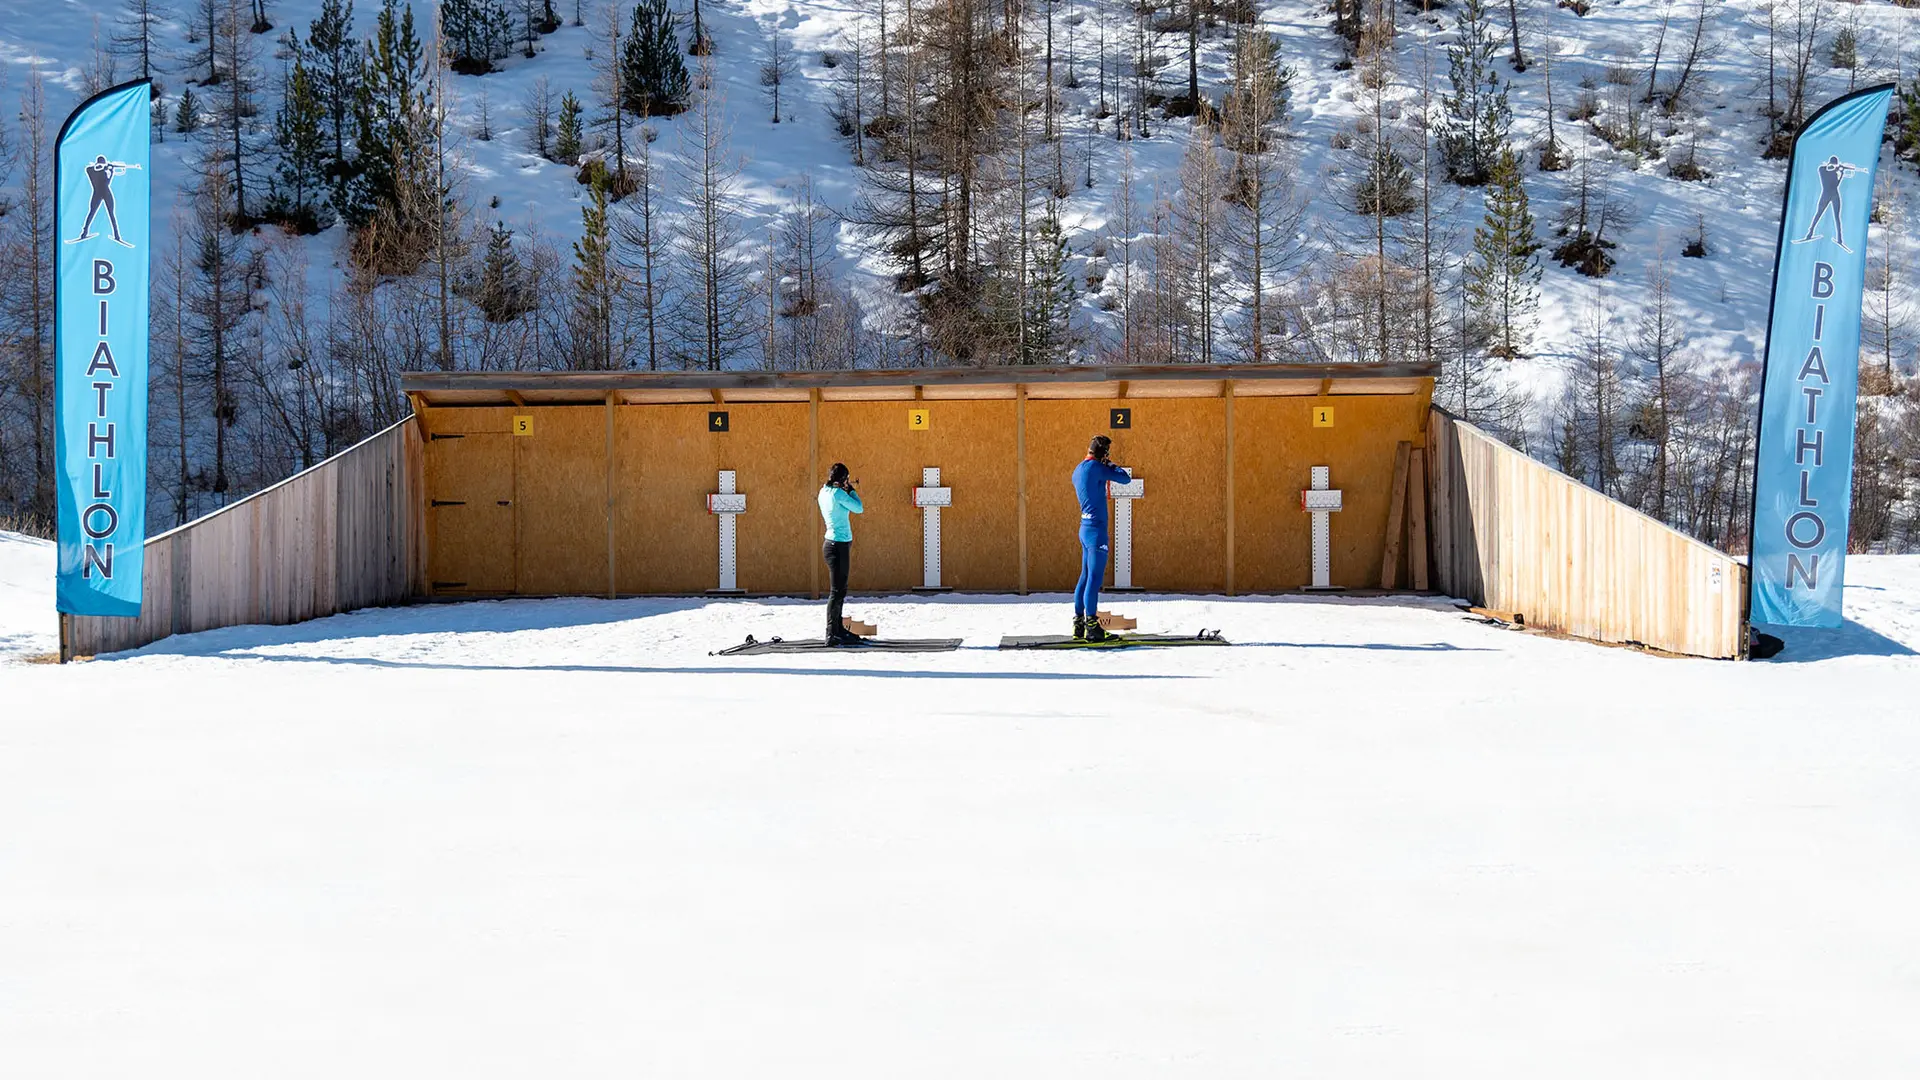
566, 140
334, 64
1257, 100
1503, 282
1475, 117
391, 103
300, 173
186, 115
653, 73
595, 284
502, 293
474, 34
1049, 337
1386, 188
699, 42
1907, 140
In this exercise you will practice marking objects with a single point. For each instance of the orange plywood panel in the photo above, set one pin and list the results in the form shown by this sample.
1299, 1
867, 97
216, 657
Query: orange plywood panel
666, 462
973, 444
1177, 444
1275, 451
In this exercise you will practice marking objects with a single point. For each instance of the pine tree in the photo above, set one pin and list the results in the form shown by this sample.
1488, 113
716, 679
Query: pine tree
653, 72
1256, 103
501, 295
1907, 139
334, 63
391, 100
186, 115
566, 140
1050, 299
300, 174
699, 42
1386, 188
596, 285
475, 33
1475, 118
1504, 277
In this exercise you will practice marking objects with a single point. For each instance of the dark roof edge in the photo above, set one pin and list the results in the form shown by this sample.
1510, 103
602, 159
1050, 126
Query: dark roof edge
423, 381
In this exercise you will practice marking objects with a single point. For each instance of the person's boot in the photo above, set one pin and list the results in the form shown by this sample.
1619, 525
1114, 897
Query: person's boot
1079, 628
1096, 632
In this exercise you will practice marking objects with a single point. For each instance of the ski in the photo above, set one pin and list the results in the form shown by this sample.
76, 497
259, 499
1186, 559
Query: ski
1116, 641
754, 647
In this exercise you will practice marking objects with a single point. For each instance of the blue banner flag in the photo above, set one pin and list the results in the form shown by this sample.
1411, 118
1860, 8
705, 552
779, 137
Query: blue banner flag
1803, 465
102, 187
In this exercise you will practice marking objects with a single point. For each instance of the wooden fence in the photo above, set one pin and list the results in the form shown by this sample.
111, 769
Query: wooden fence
1513, 535
347, 533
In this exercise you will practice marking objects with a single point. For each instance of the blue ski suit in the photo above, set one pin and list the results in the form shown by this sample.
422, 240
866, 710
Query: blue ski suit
1090, 480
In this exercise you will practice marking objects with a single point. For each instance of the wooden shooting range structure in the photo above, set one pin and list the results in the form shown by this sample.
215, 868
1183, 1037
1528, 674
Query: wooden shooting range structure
626, 483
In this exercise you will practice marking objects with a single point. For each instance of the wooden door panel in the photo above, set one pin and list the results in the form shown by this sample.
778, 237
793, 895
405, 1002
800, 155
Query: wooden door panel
470, 514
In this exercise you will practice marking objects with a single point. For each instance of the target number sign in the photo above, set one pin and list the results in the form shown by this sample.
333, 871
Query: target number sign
523, 425
919, 420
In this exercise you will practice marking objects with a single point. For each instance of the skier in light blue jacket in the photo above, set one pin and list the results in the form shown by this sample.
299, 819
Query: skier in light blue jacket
838, 500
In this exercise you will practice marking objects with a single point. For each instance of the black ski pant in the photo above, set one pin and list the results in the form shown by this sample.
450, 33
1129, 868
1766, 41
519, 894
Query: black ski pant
839, 557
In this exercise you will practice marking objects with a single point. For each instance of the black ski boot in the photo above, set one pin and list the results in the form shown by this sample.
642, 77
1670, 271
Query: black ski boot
1079, 628
1096, 632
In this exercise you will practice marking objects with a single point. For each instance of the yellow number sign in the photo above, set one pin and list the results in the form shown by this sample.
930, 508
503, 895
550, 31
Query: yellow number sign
523, 425
1323, 416
917, 420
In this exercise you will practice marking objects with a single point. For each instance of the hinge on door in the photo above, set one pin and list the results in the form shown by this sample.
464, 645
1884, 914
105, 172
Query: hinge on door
449, 584
436, 438
504, 502
448, 502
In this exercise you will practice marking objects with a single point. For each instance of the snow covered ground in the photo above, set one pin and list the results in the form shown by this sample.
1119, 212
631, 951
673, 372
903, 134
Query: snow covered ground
557, 838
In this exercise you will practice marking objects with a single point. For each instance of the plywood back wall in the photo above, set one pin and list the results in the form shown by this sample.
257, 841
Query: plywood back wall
973, 445
665, 461
1275, 449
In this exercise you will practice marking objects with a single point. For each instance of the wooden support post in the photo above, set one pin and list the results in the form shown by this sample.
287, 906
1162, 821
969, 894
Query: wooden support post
1020, 473
813, 473
66, 639
1227, 392
1396, 513
1417, 518
612, 499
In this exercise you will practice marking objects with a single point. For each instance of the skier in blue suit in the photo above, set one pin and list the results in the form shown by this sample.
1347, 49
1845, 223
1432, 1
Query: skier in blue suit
1090, 480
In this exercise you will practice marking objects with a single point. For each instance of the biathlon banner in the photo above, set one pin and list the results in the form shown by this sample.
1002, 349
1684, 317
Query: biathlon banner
1803, 464
102, 186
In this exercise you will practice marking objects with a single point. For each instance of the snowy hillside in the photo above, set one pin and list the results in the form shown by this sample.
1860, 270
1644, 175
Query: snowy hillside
1725, 293
558, 838
1124, 205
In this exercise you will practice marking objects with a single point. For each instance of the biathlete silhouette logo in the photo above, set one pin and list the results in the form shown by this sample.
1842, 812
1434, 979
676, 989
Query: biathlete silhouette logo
100, 176
1832, 172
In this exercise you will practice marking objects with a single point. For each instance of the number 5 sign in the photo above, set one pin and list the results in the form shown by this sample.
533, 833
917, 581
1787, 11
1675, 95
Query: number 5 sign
523, 425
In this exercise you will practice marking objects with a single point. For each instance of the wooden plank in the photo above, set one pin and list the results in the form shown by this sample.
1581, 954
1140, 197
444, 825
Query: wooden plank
612, 498
1396, 510
1417, 517
1020, 476
1226, 392
813, 477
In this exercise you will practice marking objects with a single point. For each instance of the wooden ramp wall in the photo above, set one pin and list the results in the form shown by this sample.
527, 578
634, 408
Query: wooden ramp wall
344, 534
1513, 535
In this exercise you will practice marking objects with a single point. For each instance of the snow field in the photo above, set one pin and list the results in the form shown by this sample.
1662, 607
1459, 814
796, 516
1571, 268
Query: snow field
558, 838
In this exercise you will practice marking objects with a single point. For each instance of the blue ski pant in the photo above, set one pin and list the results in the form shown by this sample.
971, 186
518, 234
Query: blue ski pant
1093, 570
